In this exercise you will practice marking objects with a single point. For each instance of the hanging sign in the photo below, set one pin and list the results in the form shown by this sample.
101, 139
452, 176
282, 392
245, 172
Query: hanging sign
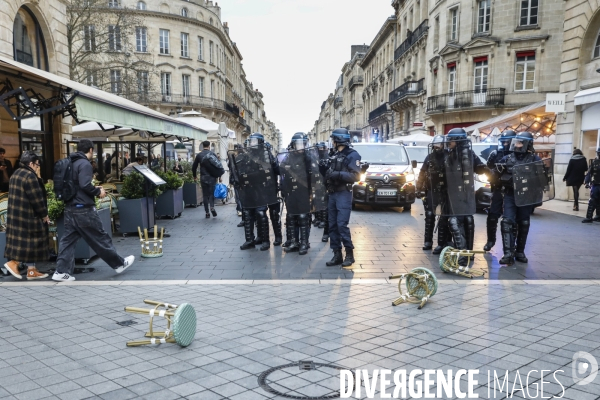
555, 102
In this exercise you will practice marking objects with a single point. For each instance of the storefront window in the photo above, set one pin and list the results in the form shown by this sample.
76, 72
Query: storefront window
29, 46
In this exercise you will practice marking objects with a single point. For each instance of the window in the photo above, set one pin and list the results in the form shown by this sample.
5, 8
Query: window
451, 79
597, 47
164, 41
210, 49
483, 17
141, 39
200, 48
185, 50
525, 71
91, 78
201, 86
481, 75
89, 38
436, 33
114, 38
113, 3
529, 12
211, 20
165, 85
185, 80
143, 82
212, 89
454, 24
115, 81
29, 46
141, 6
184, 12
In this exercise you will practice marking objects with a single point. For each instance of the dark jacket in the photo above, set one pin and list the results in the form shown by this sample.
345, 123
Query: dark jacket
205, 156
82, 175
9, 170
576, 170
26, 234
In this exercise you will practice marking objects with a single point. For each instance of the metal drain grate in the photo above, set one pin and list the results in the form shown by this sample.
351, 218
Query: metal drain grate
303, 380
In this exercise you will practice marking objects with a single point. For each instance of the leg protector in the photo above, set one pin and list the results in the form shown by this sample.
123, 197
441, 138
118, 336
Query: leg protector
469, 228
248, 217
304, 232
429, 225
322, 219
325, 237
264, 229
492, 226
523, 227
276, 222
590, 211
458, 236
443, 233
257, 220
508, 241
290, 230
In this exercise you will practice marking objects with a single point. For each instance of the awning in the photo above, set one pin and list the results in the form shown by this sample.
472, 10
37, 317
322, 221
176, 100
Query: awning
587, 96
107, 108
510, 118
93, 131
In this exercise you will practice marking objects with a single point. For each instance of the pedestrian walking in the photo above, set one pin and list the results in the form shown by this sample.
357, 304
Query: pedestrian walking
211, 169
6, 170
26, 219
575, 175
82, 221
592, 181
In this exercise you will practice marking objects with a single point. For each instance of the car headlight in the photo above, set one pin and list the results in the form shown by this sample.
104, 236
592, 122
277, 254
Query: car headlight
482, 178
363, 177
410, 177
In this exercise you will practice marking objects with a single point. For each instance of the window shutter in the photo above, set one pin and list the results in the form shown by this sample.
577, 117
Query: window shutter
525, 53
451, 65
479, 59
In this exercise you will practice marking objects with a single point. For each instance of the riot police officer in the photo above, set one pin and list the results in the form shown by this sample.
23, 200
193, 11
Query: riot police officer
495, 211
461, 158
324, 214
522, 152
343, 171
430, 185
592, 179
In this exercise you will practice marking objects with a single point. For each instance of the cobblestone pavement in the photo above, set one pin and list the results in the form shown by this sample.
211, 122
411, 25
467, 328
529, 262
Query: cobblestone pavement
387, 241
63, 341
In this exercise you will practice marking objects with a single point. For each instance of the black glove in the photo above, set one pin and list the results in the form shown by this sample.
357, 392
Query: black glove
332, 175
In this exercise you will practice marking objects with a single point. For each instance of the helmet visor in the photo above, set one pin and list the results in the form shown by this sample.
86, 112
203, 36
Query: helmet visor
254, 142
299, 144
519, 145
504, 143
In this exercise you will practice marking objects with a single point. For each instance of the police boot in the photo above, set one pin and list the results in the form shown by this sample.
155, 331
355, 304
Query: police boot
349, 260
290, 231
248, 230
258, 222
442, 239
458, 237
469, 228
264, 230
325, 237
276, 222
521, 241
590, 213
336, 260
429, 225
506, 229
492, 225
317, 219
242, 221
323, 220
304, 232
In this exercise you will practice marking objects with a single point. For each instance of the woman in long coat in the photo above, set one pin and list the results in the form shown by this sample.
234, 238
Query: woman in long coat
576, 174
26, 219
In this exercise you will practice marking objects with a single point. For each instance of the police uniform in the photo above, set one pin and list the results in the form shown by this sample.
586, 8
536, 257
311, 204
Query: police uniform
593, 178
344, 170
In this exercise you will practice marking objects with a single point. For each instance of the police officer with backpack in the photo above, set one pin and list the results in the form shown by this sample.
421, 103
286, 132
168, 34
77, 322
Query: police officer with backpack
211, 169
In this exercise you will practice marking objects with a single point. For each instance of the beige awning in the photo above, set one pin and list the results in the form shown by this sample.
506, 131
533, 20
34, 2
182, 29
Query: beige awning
107, 108
512, 118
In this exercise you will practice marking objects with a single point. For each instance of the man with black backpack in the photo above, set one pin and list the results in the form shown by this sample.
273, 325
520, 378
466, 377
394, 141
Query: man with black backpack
73, 185
211, 169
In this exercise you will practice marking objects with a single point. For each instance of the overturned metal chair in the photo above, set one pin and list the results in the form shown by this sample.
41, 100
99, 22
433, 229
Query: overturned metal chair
152, 248
421, 285
181, 324
449, 262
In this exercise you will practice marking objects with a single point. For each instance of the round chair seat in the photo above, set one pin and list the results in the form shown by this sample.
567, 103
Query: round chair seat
412, 283
443, 258
184, 325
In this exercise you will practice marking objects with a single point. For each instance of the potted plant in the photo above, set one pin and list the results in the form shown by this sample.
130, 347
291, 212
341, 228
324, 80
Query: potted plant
192, 191
170, 201
135, 209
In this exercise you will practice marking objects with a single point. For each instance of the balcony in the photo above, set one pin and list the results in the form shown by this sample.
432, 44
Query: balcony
379, 111
156, 98
491, 97
242, 121
355, 80
406, 89
232, 108
411, 39
247, 129
338, 101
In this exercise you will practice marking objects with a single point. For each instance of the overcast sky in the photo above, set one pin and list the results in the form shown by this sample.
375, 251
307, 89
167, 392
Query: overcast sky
294, 50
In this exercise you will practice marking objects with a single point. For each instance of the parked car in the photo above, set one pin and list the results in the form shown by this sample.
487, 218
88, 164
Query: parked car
390, 179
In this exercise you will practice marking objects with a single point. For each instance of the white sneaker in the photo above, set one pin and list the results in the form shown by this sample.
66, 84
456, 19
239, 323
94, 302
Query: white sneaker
128, 263
62, 277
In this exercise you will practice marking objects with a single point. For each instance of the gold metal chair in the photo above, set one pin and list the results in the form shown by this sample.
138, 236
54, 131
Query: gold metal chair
421, 285
152, 248
449, 262
109, 187
181, 324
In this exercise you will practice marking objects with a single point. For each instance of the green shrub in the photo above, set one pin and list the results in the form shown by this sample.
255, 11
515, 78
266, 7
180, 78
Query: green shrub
133, 187
56, 208
174, 181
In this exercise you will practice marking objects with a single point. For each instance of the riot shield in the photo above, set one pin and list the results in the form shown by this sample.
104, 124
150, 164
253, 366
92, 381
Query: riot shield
460, 184
254, 176
317, 181
531, 183
295, 178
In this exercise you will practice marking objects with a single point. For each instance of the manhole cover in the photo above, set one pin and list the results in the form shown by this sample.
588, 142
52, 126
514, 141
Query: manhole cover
303, 380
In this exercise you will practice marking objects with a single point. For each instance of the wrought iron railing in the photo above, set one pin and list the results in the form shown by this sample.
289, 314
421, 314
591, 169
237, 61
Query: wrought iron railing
355, 80
411, 39
242, 121
175, 99
247, 129
379, 111
232, 108
407, 88
491, 97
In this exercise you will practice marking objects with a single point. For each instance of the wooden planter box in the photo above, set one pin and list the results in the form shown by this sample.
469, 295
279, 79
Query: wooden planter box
134, 213
170, 203
82, 250
192, 194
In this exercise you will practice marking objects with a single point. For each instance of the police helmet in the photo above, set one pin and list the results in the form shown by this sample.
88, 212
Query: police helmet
255, 139
457, 135
340, 136
322, 145
505, 139
299, 141
437, 143
522, 143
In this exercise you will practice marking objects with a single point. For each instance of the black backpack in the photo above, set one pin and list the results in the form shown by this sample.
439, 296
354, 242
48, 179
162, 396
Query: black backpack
65, 188
213, 171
